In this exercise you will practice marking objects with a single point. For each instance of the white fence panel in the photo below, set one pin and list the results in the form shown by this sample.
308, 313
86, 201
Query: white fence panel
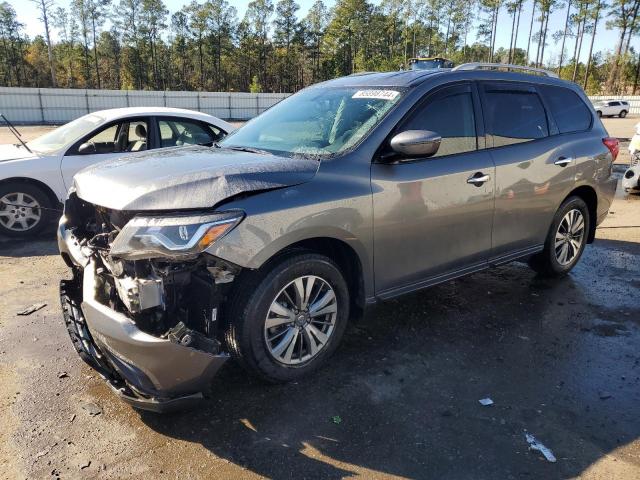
634, 102
105, 99
217, 104
188, 100
60, 105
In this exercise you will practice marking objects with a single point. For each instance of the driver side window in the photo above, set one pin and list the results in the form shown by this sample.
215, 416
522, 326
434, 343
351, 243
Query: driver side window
128, 136
450, 114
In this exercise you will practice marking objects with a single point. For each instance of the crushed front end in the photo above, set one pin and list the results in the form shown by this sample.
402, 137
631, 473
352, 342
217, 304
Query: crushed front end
142, 306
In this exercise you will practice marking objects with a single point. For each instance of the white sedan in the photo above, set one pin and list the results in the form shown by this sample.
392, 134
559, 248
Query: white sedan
35, 176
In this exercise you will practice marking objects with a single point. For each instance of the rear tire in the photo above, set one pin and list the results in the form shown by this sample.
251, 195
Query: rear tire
271, 295
24, 210
565, 241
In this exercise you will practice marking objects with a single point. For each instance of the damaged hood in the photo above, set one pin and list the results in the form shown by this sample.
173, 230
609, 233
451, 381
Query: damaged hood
186, 177
13, 152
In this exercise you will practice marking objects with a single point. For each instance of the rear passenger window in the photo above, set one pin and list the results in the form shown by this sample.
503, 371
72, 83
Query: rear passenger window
567, 108
450, 114
514, 116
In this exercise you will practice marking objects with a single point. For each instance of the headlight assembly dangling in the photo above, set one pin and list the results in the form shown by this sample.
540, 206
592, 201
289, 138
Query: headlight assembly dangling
173, 236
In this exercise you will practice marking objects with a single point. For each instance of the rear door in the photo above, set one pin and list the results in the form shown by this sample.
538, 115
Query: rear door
535, 166
432, 216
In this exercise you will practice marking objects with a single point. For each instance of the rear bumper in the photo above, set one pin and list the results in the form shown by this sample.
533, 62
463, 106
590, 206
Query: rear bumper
149, 372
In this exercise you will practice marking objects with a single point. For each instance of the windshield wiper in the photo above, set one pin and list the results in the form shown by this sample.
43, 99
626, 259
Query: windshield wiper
249, 150
15, 132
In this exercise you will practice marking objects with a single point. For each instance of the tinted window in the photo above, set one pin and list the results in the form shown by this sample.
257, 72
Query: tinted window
450, 114
614, 104
180, 132
514, 116
568, 110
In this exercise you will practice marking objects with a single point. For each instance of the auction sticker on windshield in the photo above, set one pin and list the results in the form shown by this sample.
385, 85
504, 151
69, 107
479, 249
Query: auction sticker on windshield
377, 94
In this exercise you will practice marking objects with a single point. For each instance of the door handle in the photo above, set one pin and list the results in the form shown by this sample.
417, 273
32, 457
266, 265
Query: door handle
478, 179
563, 161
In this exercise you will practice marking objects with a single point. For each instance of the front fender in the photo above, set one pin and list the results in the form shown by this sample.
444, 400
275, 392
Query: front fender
278, 219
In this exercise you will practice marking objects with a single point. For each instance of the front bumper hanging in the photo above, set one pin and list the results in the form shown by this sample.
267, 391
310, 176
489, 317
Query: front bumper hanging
148, 372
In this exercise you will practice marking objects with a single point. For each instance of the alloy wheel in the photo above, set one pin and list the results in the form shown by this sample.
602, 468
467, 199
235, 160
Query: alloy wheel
569, 237
19, 212
301, 320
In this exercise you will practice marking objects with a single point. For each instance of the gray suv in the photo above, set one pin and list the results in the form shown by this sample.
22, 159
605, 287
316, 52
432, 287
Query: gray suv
348, 193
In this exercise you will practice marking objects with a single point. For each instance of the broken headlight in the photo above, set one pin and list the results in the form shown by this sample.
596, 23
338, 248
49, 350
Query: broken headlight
171, 236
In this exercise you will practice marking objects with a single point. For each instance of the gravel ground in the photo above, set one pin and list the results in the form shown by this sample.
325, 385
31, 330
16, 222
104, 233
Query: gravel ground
559, 359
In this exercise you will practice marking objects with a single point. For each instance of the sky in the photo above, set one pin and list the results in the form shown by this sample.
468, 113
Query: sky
605, 39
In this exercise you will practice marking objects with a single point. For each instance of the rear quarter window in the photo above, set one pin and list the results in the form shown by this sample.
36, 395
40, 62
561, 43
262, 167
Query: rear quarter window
567, 108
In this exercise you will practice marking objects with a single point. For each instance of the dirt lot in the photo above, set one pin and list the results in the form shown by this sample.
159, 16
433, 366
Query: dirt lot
560, 359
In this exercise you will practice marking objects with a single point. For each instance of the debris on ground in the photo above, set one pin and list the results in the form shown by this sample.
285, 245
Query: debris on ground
31, 308
336, 419
535, 444
604, 395
485, 402
63, 375
92, 409
84, 465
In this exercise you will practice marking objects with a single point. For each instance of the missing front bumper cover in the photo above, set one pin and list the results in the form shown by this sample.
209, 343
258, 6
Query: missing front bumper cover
149, 372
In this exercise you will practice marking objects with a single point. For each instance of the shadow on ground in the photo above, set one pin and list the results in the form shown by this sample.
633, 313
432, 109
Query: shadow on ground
558, 358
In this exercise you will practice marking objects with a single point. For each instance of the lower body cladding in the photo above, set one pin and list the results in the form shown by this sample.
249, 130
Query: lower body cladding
150, 370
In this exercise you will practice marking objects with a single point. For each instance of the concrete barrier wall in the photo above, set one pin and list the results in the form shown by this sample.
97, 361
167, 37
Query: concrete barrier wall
60, 105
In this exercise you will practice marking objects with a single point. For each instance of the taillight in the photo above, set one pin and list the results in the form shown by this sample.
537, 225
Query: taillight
613, 145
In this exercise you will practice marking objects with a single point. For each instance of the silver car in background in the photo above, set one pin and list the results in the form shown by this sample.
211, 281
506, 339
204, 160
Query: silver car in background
348, 193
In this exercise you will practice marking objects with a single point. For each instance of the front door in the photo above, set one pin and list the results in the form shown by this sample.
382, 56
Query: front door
125, 137
432, 216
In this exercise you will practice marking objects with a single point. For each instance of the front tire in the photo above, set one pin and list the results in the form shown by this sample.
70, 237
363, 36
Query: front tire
599, 114
24, 210
623, 113
565, 241
287, 318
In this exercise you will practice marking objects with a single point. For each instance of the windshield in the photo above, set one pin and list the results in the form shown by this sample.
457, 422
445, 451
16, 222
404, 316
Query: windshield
66, 134
316, 121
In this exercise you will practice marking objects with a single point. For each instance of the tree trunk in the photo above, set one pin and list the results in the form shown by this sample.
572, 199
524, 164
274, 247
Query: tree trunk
544, 38
513, 28
540, 37
575, 67
533, 15
564, 37
45, 20
515, 38
593, 36
95, 50
635, 80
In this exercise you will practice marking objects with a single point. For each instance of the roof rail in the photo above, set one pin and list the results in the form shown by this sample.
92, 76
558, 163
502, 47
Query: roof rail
503, 66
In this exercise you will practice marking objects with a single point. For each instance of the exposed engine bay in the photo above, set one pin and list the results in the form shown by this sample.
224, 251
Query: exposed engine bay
175, 299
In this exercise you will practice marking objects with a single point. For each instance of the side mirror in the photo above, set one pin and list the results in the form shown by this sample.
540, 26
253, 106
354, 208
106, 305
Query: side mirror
416, 143
87, 148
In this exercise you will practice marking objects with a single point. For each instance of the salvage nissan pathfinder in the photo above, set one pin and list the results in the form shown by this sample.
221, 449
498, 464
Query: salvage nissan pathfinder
350, 192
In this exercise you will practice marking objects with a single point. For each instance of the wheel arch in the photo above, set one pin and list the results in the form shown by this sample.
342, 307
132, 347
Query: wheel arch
347, 259
590, 197
36, 183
